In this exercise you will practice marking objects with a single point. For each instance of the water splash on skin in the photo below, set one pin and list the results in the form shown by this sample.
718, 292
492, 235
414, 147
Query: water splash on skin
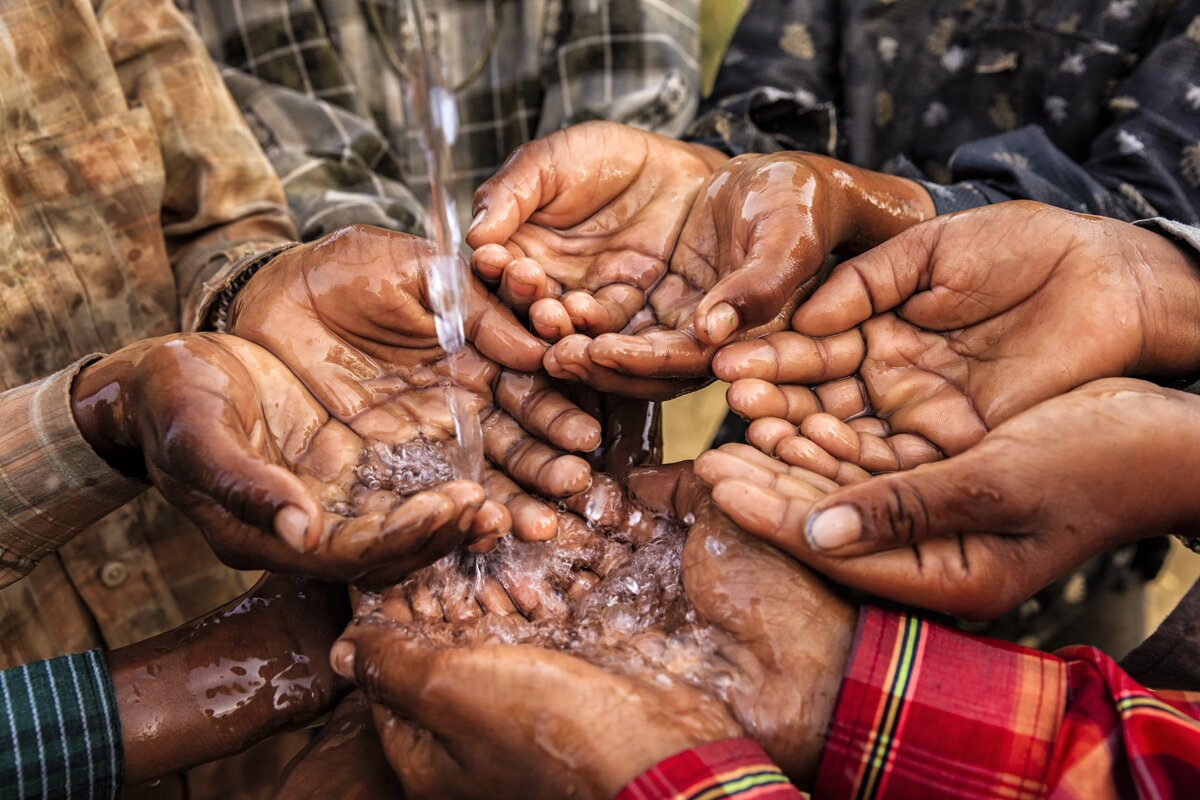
636, 619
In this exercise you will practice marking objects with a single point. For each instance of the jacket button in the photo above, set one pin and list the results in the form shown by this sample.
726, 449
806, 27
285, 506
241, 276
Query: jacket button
113, 574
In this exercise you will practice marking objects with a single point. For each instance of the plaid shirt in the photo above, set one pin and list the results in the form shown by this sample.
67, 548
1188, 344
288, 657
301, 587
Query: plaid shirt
314, 81
60, 733
925, 711
132, 191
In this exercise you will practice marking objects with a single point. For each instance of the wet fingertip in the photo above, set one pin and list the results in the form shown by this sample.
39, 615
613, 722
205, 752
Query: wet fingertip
292, 525
833, 528
720, 323
341, 658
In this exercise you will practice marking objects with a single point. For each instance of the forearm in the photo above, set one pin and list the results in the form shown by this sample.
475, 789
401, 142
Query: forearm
54, 484
221, 683
870, 207
925, 710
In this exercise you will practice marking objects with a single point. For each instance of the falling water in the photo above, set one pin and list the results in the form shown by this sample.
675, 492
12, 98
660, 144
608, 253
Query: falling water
431, 101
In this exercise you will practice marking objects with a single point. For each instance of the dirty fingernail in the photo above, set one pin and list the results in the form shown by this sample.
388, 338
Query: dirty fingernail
341, 658
721, 322
291, 523
833, 528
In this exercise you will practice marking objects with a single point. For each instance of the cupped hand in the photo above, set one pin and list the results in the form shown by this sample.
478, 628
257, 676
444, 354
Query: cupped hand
577, 227
768, 637
350, 316
752, 248
232, 438
976, 534
517, 721
954, 326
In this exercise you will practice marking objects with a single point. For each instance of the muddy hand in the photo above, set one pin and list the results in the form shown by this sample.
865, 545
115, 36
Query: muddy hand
350, 315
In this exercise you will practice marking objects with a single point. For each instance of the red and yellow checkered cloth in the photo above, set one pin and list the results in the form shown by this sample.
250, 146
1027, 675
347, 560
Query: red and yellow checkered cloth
925, 711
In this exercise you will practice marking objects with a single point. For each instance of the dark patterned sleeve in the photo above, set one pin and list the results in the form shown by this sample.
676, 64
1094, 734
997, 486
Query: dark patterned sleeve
778, 82
1146, 163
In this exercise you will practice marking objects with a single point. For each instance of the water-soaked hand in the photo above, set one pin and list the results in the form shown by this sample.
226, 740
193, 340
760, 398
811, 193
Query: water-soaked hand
345, 759
783, 637
350, 316
958, 324
751, 250
517, 721
215, 686
231, 437
577, 227
976, 534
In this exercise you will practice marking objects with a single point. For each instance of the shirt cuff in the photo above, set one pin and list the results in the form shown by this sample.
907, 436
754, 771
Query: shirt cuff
926, 711
52, 483
239, 265
947, 199
60, 732
731, 768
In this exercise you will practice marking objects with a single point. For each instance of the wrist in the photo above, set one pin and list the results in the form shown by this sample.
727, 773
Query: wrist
868, 208
1169, 281
98, 405
822, 702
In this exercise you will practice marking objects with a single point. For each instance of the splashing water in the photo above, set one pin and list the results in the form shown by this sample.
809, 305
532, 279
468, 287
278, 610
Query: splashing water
432, 102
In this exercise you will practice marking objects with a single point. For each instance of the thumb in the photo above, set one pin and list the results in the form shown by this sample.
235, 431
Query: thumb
965, 494
223, 465
876, 281
386, 664
758, 294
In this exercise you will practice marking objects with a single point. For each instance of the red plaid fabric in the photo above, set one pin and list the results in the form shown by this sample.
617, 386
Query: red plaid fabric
925, 711
732, 768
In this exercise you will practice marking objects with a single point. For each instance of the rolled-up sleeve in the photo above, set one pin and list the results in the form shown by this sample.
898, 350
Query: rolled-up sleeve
52, 483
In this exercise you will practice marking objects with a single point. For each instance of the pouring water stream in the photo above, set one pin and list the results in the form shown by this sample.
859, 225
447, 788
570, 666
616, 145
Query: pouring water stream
431, 102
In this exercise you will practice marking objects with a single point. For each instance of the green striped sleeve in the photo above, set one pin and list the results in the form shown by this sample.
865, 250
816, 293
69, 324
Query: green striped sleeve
60, 736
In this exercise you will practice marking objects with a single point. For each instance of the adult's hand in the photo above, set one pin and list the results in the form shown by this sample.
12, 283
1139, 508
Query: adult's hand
345, 759
517, 721
349, 314
231, 437
976, 534
577, 227
960, 323
751, 250
783, 636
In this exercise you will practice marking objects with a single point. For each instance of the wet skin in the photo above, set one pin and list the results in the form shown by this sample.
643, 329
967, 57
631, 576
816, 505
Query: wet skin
231, 437
349, 315
751, 250
976, 534
523, 721
345, 759
255, 667
740, 256
580, 225
953, 327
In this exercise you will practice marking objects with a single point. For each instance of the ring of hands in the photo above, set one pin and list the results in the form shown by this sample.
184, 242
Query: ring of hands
460, 735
